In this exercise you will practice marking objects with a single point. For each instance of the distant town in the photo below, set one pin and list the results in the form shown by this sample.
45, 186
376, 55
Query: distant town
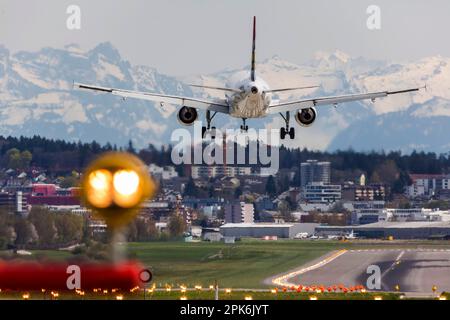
314, 195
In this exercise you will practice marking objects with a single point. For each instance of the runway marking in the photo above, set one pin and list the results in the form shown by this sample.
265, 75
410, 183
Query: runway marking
396, 262
282, 280
391, 250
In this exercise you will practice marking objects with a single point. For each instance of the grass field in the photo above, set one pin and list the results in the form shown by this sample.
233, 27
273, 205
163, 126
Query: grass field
242, 265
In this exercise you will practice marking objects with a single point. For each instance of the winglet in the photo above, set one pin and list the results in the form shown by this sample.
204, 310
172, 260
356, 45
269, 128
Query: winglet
252, 73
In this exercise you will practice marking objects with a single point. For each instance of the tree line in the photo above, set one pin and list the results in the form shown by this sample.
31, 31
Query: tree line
59, 155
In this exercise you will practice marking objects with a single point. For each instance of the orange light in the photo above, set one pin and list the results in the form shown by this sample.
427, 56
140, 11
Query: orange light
26, 296
119, 297
126, 188
99, 188
114, 185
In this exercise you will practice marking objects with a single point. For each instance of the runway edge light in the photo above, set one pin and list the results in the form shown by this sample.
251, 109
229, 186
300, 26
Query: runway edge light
114, 186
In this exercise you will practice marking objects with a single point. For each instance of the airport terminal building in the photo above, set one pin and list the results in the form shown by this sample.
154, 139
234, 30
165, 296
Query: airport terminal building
261, 230
397, 230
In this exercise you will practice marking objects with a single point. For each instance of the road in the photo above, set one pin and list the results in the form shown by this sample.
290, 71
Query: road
413, 270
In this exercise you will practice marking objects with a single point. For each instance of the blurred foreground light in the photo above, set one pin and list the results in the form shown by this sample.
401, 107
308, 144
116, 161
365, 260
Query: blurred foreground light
119, 297
198, 287
273, 291
183, 298
378, 298
312, 298
114, 186
248, 298
442, 298
126, 182
26, 296
227, 290
99, 192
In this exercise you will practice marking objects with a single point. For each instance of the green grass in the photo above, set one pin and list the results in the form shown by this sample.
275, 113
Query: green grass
243, 265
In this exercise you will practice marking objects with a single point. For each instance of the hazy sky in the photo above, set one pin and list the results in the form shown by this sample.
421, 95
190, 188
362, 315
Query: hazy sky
182, 37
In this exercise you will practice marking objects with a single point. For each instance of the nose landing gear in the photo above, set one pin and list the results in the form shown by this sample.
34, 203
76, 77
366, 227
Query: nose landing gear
244, 127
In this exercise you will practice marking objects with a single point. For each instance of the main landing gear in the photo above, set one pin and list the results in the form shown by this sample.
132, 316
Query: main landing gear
287, 130
208, 127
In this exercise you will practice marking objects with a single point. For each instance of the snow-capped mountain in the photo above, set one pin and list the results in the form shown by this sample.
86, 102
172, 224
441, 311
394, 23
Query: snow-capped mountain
36, 97
418, 121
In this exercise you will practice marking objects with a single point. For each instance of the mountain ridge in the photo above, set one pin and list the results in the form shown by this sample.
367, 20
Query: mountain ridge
36, 97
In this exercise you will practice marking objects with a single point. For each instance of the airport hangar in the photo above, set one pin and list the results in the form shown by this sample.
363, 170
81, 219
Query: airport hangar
397, 230
261, 230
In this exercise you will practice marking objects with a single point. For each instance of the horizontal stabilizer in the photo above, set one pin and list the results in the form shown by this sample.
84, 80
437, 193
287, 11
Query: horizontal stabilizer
214, 88
290, 89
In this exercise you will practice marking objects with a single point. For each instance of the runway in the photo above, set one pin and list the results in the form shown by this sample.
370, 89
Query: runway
413, 270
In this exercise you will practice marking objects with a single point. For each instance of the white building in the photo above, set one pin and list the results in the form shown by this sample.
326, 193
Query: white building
165, 173
373, 215
319, 192
215, 171
313, 171
417, 214
427, 184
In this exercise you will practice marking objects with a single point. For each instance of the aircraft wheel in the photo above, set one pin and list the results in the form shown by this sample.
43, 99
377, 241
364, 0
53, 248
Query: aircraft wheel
282, 133
203, 131
292, 133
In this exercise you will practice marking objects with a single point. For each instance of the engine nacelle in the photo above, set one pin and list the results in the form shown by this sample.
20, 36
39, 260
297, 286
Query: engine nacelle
306, 117
187, 116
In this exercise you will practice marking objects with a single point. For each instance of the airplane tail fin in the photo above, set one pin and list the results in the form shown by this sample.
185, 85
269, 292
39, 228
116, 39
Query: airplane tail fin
252, 72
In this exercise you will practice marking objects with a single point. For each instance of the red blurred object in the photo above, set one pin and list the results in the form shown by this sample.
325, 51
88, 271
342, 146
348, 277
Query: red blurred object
30, 276
43, 189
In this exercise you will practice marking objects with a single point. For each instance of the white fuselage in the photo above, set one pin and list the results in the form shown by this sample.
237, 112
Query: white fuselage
252, 101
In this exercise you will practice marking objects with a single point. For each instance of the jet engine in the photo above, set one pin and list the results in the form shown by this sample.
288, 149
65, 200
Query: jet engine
306, 117
187, 116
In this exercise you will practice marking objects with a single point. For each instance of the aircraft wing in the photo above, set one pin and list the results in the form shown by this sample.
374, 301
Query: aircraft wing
217, 106
307, 103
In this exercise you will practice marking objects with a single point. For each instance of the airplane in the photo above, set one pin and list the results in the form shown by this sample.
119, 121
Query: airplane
351, 236
247, 99
301, 235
